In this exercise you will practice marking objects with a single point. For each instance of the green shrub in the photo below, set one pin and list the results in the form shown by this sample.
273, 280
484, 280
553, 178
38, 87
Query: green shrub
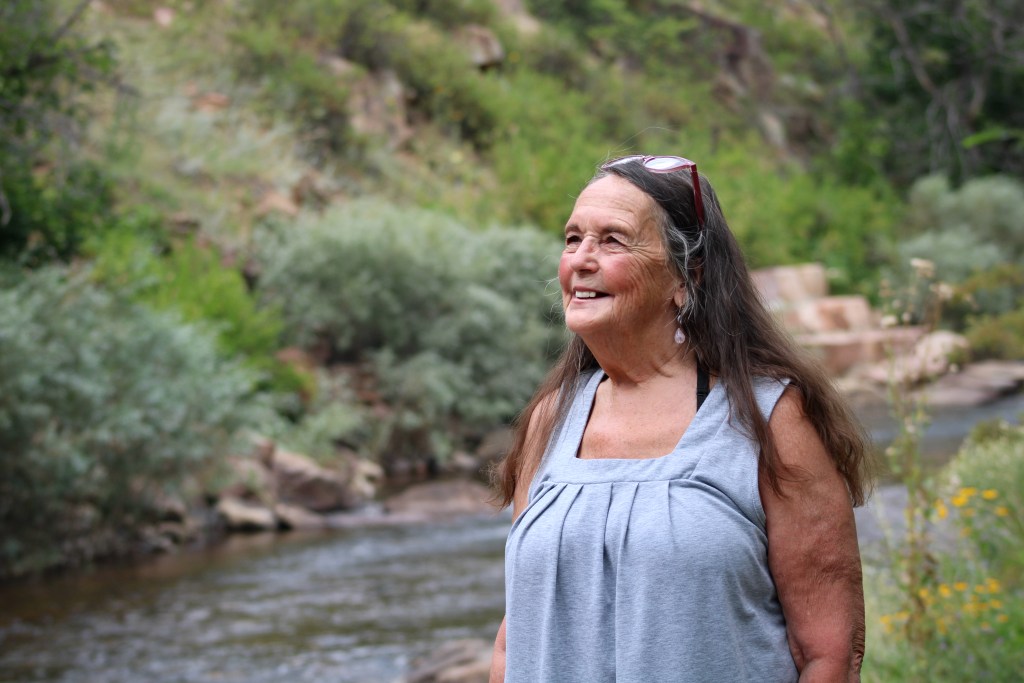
968, 611
191, 281
974, 235
997, 336
455, 322
103, 405
986, 480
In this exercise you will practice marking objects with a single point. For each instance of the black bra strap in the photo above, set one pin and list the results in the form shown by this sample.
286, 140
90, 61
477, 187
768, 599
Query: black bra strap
703, 385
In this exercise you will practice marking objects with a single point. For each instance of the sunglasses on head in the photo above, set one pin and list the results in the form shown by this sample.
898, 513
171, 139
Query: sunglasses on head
666, 164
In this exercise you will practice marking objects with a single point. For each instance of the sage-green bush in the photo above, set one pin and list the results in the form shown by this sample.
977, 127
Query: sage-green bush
974, 235
103, 405
456, 322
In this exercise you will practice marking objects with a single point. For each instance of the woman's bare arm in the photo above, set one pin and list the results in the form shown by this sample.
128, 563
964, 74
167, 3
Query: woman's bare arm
812, 552
498, 658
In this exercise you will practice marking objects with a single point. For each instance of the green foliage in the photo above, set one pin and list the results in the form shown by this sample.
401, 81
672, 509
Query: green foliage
333, 417
452, 13
103, 405
455, 322
974, 236
943, 77
286, 44
192, 281
49, 200
997, 336
798, 216
987, 476
971, 616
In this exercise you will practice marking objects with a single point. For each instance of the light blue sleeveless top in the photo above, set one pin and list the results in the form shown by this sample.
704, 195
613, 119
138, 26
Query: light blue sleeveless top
646, 570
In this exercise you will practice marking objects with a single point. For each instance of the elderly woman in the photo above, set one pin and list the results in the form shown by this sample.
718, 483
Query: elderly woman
683, 482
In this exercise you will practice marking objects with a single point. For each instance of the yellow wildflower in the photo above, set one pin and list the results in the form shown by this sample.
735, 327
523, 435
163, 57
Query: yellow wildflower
960, 586
960, 500
1002, 618
981, 588
968, 491
993, 585
990, 494
944, 590
1002, 511
996, 604
941, 510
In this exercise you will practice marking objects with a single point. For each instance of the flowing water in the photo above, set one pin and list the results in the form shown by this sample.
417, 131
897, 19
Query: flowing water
353, 606
349, 606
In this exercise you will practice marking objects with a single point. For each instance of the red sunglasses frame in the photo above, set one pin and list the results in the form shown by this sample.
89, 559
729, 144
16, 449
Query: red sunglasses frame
667, 164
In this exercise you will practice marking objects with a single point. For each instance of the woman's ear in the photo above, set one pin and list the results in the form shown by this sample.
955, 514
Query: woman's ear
679, 295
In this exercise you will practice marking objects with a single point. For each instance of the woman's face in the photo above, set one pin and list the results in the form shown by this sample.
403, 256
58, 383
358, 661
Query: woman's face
613, 271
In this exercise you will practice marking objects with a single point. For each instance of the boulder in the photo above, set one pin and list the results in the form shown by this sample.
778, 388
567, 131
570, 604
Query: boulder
249, 479
927, 359
976, 384
365, 477
784, 285
459, 661
481, 45
842, 350
441, 499
300, 481
829, 314
276, 202
377, 108
240, 515
516, 12
298, 518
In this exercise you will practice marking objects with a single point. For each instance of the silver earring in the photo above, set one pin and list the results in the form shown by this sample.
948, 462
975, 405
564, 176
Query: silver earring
680, 336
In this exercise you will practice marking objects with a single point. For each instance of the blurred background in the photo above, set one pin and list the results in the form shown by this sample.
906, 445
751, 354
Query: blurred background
276, 276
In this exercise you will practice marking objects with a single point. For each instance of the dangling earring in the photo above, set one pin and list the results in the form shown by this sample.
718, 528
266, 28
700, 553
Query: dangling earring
680, 336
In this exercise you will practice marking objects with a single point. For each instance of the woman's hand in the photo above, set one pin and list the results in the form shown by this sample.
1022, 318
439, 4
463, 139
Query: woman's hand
812, 552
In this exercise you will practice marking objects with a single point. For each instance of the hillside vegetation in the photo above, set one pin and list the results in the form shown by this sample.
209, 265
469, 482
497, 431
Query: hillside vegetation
335, 221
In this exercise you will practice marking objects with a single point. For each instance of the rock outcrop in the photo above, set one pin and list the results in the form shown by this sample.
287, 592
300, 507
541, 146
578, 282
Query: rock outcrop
459, 661
442, 499
842, 330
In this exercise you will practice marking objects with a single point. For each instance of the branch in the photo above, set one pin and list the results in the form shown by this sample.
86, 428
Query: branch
66, 26
5, 206
903, 38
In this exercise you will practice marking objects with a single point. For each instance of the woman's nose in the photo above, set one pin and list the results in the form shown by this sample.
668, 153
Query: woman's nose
585, 256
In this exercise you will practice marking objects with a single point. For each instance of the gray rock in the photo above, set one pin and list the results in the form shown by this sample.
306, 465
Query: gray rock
441, 499
298, 518
240, 515
458, 661
301, 481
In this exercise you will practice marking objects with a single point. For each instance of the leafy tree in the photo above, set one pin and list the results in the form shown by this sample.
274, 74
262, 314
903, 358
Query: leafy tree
944, 77
48, 198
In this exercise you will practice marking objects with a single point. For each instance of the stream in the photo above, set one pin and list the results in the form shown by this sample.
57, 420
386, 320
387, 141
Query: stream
347, 606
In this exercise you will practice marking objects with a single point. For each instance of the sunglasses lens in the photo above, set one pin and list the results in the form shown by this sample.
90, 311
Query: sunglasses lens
665, 163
